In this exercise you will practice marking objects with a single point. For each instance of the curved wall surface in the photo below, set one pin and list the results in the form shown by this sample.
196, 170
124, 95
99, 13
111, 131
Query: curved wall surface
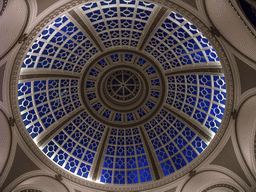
12, 24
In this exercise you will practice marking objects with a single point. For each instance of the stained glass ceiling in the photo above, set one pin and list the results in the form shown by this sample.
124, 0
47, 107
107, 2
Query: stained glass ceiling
121, 92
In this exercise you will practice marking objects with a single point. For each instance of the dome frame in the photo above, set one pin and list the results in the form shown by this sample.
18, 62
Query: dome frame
229, 106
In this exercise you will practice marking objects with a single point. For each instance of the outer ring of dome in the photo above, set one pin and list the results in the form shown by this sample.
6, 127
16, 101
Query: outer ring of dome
20, 125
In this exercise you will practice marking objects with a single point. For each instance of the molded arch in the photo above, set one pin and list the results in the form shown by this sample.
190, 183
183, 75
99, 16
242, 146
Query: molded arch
225, 18
205, 179
43, 183
13, 23
5, 141
245, 129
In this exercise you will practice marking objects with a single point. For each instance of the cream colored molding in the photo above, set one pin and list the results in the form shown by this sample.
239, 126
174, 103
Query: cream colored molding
36, 180
29, 187
201, 8
13, 23
244, 97
205, 179
207, 166
231, 177
246, 127
32, 16
220, 186
240, 158
38, 18
227, 22
243, 17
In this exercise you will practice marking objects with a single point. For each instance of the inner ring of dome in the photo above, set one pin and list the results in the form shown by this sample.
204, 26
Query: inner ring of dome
130, 110
123, 106
123, 85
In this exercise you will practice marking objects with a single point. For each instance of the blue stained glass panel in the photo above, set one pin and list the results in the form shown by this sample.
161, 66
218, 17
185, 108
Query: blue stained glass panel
199, 144
189, 153
72, 164
60, 157
119, 177
84, 170
132, 177
106, 176
167, 167
35, 130
50, 148
178, 161
145, 175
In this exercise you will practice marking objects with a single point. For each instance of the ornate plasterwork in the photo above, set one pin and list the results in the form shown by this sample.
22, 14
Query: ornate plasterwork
221, 185
173, 6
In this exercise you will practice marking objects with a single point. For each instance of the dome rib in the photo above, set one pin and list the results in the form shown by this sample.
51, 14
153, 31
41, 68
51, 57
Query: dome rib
95, 173
204, 133
154, 23
78, 19
153, 159
44, 138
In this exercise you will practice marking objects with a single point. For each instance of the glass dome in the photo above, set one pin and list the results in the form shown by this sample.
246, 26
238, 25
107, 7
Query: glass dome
121, 92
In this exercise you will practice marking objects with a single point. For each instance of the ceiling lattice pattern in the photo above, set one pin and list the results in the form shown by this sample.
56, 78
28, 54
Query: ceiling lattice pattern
114, 94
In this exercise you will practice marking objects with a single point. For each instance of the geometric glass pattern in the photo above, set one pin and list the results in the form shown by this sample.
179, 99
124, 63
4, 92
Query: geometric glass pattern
108, 100
125, 158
